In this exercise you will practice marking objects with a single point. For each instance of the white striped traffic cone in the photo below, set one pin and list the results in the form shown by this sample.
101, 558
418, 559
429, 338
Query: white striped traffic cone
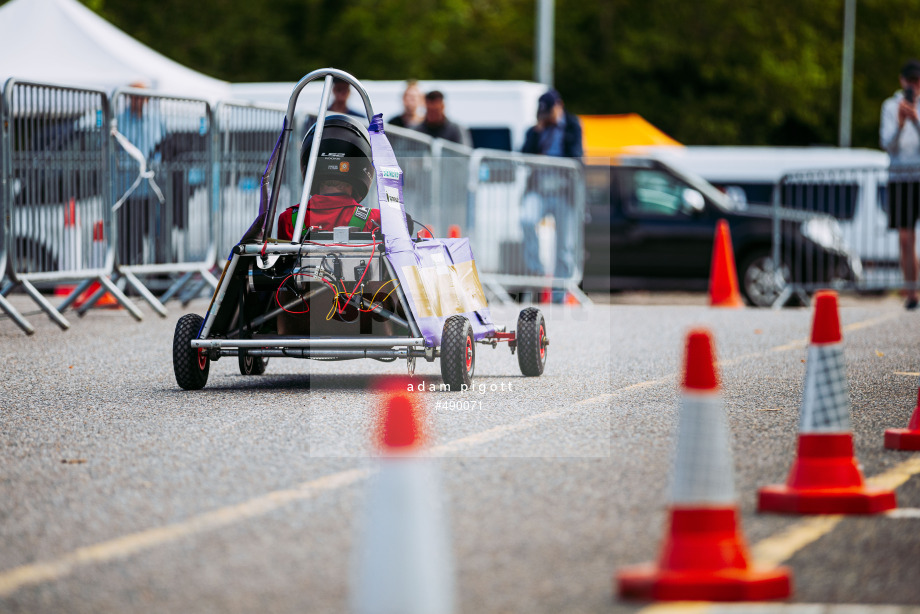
909, 438
402, 558
704, 556
825, 477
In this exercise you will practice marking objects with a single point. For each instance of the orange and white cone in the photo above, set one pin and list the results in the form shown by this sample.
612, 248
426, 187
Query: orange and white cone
704, 556
825, 477
402, 561
723, 276
909, 438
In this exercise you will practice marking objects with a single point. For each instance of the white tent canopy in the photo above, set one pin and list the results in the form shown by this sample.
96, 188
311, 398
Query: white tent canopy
63, 42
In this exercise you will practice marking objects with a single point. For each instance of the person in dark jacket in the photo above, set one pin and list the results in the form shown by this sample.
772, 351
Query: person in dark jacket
436, 123
550, 191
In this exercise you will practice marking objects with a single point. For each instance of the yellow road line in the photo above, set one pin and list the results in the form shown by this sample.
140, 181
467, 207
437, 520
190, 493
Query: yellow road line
775, 549
778, 548
910, 373
127, 545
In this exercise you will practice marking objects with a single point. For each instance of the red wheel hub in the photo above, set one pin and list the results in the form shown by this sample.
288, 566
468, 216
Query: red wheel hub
469, 354
542, 344
202, 358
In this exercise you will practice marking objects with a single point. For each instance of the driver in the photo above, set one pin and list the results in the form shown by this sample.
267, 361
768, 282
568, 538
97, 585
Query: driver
343, 176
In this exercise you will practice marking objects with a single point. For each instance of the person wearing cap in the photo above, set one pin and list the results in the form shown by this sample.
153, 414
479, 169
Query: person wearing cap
549, 192
899, 135
342, 178
141, 239
437, 125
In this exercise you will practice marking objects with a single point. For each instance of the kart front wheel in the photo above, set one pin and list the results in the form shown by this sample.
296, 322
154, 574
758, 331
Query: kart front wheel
458, 353
252, 365
190, 364
531, 342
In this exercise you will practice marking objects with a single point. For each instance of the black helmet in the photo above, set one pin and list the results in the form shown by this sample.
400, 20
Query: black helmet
344, 154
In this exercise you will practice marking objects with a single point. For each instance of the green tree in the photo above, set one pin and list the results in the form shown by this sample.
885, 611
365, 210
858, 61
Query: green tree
706, 72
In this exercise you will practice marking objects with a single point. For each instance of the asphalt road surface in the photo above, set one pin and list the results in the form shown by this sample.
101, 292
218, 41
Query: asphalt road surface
119, 492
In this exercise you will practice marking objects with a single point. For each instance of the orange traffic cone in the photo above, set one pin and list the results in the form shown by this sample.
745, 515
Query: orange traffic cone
909, 438
106, 300
402, 560
453, 232
723, 276
704, 556
825, 477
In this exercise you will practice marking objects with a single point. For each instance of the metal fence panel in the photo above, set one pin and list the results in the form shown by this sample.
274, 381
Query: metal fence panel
526, 219
162, 159
6, 284
414, 152
450, 199
246, 136
57, 165
838, 232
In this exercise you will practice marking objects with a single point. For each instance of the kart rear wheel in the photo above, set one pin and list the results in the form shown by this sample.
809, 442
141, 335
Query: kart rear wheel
252, 365
531, 342
191, 365
458, 353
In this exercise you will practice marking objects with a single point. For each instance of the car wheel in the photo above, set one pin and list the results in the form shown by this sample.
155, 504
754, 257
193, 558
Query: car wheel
458, 353
761, 281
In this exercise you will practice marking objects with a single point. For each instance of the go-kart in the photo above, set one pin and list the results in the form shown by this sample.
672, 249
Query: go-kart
346, 294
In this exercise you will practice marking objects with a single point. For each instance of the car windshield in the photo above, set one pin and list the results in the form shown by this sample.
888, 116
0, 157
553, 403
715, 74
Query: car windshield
708, 190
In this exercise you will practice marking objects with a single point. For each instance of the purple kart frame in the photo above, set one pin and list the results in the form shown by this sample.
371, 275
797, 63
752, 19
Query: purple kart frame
440, 303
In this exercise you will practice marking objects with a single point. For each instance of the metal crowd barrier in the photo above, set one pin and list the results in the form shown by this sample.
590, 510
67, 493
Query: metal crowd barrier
449, 198
844, 240
157, 187
57, 214
414, 152
526, 220
5, 305
246, 136
162, 159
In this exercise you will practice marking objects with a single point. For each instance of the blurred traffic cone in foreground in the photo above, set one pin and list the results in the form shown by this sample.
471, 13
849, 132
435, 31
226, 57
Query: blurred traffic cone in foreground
704, 556
825, 478
909, 438
402, 558
723, 276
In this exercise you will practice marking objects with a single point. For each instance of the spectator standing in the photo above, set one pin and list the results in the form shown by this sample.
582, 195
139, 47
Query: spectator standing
412, 100
899, 135
557, 133
341, 90
142, 203
436, 123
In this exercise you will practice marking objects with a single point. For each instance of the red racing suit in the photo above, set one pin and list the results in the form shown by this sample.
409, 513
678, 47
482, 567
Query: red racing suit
327, 212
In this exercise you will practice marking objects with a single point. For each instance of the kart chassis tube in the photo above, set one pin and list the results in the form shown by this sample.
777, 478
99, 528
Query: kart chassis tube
311, 342
346, 354
327, 74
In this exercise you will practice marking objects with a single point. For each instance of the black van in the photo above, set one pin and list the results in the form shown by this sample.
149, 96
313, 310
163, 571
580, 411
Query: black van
652, 226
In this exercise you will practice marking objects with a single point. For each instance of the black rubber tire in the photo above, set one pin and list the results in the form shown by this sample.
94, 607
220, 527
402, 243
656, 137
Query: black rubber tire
190, 366
458, 353
252, 365
531, 347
